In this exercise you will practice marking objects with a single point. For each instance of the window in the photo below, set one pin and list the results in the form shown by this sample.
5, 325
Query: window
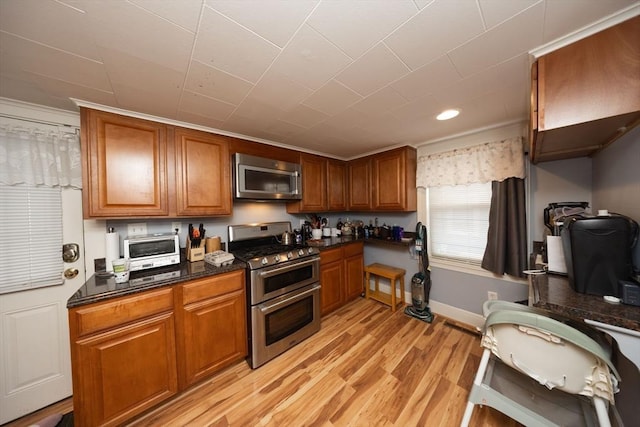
458, 220
31, 244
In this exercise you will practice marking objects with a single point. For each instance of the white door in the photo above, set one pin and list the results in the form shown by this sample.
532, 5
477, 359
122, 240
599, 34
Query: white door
35, 361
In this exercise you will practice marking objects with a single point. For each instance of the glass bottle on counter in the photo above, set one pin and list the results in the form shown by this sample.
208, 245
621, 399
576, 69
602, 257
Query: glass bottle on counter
339, 224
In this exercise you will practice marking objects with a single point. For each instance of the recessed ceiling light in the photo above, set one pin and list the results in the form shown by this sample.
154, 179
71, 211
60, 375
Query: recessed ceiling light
448, 114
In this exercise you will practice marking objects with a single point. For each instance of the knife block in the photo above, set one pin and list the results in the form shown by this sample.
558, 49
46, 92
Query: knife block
196, 253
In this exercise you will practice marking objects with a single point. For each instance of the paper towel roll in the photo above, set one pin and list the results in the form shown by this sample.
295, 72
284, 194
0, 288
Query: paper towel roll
112, 249
212, 244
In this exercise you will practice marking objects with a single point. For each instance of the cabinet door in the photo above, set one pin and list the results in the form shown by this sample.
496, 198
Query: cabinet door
124, 371
388, 172
337, 185
212, 327
332, 282
354, 270
314, 183
215, 335
203, 177
125, 161
359, 184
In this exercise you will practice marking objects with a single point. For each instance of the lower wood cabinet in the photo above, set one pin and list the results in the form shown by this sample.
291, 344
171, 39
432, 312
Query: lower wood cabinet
212, 329
129, 354
123, 357
341, 276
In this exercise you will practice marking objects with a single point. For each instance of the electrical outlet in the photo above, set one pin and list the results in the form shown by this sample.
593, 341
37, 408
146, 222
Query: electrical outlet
137, 229
176, 227
492, 295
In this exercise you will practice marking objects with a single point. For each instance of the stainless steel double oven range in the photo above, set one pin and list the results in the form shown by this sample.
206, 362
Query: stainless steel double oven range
283, 289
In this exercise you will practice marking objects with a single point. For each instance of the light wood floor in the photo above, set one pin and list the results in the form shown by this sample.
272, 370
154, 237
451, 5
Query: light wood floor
366, 367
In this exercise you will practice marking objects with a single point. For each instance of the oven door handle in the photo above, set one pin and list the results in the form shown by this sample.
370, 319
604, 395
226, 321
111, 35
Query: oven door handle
271, 271
269, 307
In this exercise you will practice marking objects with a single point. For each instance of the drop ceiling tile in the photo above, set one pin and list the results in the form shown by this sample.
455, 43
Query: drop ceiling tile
279, 91
427, 79
216, 84
509, 39
136, 32
310, 59
184, 13
252, 115
225, 45
50, 23
24, 55
145, 100
275, 20
304, 116
27, 91
332, 98
356, 26
201, 120
511, 72
562, 17
204, 106
372, 71
381, 101
497, 11
61, 89
436, 29
284, 129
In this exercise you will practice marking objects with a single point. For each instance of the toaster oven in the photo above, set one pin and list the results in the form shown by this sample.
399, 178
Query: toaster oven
151, 251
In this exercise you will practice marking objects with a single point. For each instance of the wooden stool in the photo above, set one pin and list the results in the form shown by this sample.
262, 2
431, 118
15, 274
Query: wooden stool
393, 274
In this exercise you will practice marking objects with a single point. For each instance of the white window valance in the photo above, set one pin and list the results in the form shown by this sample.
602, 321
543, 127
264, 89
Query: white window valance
492, 161
34, 157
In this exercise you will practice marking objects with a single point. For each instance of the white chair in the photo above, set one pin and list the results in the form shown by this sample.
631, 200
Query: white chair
542, 372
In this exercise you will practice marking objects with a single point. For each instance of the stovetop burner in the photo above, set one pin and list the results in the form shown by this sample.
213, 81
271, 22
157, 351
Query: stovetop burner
258, 245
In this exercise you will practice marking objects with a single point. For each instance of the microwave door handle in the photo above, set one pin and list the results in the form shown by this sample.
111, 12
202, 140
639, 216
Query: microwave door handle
270, 307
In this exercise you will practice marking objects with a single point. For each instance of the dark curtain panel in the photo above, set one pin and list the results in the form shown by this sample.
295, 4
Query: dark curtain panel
506, 250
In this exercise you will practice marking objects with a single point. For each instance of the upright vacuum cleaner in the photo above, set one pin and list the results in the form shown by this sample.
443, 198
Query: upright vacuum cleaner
421, 281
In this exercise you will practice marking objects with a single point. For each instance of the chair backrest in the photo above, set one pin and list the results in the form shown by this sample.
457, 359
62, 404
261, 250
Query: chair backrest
551, 352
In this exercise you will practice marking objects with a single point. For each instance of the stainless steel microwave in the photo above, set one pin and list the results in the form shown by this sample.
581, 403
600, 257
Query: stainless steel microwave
152, 251
259, 178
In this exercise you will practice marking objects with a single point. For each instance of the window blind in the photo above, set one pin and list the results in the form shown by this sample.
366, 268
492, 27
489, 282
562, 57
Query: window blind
458, 221
31, 237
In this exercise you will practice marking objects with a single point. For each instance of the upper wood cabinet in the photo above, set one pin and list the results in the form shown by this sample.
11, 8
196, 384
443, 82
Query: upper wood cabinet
324, 185
336, 185
360, 184
393, 179
124, 166
139, 168
203, 177
586, 95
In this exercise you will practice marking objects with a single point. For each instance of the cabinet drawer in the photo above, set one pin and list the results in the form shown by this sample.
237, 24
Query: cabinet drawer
330, 255
209, 287
353, 249
119, 311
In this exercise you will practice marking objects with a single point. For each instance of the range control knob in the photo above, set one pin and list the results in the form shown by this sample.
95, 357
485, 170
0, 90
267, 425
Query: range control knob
310, 250
301, 252
289, 255
276, 258
264, 261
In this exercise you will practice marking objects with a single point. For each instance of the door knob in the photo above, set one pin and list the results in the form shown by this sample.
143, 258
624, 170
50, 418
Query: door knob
70, 273
70, 252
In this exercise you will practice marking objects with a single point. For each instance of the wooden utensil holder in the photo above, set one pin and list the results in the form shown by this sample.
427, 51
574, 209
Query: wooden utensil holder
195, 253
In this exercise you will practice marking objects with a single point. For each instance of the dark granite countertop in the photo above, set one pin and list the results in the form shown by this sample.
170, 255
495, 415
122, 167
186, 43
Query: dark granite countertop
99, 288
331, 242
554, 293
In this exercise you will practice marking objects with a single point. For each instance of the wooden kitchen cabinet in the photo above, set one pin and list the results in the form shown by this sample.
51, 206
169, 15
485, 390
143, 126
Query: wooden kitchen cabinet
359, 173
331, 280
123, 356
353, 270
324, 186
393, 179
586, 95
203, 177
341, 275
139, 168
336, 185
212, 329
125, 166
